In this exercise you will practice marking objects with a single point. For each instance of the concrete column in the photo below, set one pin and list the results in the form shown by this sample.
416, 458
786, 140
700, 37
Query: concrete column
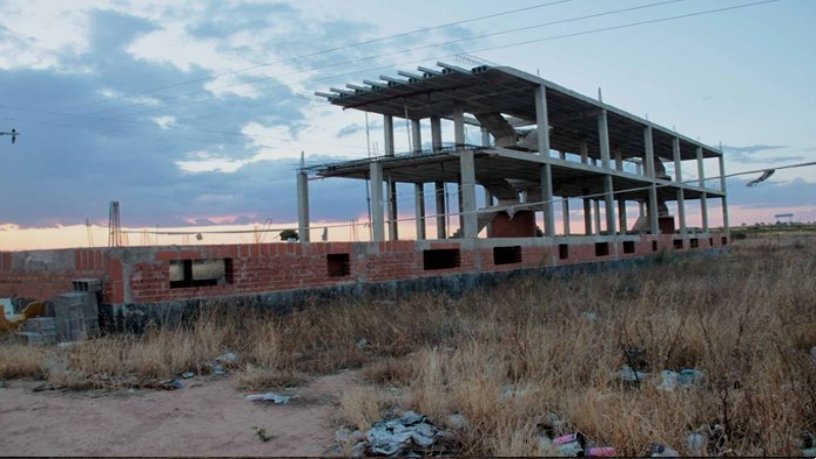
596, 206
439, 187
376, 179
419, 188
678, 177
388, 129
603, 136
486, 143
584, 150
565, 205
303, 206
623, 224
648, 141
641, 205
701, 183
726, 228
459, 140
470, 226
543, 122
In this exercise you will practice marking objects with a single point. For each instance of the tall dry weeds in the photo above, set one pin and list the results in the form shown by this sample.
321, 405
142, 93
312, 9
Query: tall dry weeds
508, 357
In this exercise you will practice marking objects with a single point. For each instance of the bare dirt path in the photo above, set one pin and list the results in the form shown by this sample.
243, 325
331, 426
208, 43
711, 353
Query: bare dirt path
207, 418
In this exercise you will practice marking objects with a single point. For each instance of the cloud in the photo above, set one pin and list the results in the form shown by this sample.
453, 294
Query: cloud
751, 149
770, 194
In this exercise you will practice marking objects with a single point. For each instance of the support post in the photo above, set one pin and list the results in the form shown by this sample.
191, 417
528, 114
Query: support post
678, 177
565, 211
543, 126
303, 206
648, 141
459, 140
388, 128
726, 228
701, 183
419, 188
488, 197
439, 187
596, 209
584, 150
467, 212
603, 136
376, 176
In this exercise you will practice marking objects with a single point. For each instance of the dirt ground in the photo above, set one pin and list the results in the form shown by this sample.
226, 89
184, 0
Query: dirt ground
209, 417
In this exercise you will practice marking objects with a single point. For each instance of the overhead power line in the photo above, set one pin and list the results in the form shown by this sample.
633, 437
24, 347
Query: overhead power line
331, 50
334, 76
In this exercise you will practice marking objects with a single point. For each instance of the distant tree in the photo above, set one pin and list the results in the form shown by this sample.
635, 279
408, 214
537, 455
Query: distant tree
289, 234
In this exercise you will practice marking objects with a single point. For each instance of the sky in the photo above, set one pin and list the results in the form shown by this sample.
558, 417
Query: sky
196, 113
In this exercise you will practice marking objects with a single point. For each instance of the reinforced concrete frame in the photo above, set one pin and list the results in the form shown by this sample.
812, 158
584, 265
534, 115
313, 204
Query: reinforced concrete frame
540, 144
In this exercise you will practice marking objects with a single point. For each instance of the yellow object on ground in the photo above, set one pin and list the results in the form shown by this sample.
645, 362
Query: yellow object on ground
11, 321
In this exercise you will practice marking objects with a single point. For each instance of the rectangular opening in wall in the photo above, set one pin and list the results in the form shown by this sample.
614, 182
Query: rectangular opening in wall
339, 264
628, 246
200, 273
506, 255
678, 244
563, 251
654, 246
724, 240
694, 243
601, 249
440, 259
711, 242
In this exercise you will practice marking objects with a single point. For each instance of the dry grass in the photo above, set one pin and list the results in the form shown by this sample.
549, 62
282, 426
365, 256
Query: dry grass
507, 357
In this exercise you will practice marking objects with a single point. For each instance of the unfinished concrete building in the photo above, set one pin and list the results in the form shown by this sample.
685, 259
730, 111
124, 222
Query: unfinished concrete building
541, 147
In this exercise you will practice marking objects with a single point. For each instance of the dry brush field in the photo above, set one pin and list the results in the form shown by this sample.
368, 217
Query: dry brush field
508, 359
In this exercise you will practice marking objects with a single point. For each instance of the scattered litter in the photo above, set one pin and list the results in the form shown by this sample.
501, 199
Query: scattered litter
809, 452
171, 384
510, 391
686, 378
696, 441
67, 344
409, 435
602, 451
43, 387
590, 316
218, 370
229, 357
570, 445
457, 421
262, 434
813, 354
187, 374
362, 343
277, 399
627, 374
659, 450
545, 446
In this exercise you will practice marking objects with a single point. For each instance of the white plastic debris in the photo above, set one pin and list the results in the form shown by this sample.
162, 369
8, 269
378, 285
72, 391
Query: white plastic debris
695, 442
686, 378
627, 374
813, 354
401, 434
277, 399
229, 357
809, 452
457, 421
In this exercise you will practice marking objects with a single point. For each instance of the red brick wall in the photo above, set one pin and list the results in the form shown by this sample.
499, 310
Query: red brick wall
522, 224
142, 275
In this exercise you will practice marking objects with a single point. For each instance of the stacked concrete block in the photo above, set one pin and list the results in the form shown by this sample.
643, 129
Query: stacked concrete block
76, 315
39, 331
